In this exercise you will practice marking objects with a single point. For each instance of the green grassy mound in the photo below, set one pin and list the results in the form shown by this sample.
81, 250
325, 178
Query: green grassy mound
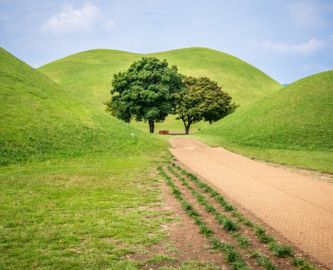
244, 82
73, 199
40, 120
297, 119
88, 74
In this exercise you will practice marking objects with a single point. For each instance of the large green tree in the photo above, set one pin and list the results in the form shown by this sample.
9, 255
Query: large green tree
203, 99
146, 91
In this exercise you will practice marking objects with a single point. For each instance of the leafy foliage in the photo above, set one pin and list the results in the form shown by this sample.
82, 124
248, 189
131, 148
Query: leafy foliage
145, 91
203, 100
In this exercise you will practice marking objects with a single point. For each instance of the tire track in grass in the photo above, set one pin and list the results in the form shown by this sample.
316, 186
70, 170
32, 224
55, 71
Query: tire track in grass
277, 249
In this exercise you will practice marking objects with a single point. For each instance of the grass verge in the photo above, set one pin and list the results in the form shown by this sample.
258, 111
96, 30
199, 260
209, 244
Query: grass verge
78, 213
317, 160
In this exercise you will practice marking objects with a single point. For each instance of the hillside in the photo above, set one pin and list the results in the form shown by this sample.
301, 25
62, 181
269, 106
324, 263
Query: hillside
244, 82
39, 119
297, 119
88, 75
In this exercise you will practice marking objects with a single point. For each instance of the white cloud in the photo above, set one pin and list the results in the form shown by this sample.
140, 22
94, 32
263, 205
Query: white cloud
308, 47
71, 19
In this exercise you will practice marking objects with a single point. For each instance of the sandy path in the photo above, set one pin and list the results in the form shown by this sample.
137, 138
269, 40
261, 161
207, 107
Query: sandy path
297, 206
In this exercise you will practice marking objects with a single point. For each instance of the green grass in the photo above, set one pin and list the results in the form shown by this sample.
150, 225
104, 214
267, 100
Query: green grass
263, 261
191, 265
78, 213
302, 264
41, 120
88, 76
292, 126
244, 82
72, 179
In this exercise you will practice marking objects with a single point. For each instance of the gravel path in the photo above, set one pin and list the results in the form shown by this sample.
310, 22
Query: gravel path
299, 207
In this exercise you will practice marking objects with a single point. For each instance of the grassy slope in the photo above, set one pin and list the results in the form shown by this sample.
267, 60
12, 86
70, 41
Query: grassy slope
73, 178
293, 126
40, 120
244, 82
88, 75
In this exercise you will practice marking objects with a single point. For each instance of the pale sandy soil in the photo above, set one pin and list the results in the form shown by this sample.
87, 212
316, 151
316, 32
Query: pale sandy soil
296, 205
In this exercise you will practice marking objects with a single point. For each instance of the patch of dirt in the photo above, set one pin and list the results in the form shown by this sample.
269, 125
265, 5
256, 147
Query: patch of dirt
254, 219
183, 241
227, 237
297, 206
282, 263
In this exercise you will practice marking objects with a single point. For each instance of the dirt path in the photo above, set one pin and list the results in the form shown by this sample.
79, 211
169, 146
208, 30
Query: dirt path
297, 206
183, 240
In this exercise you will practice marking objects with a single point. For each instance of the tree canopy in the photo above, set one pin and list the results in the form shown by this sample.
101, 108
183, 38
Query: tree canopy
146, 91
203, 99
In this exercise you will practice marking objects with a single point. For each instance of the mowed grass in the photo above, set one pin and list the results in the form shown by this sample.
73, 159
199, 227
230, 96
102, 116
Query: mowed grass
41, 120
293, 126
83, 213
77, 186
88, 75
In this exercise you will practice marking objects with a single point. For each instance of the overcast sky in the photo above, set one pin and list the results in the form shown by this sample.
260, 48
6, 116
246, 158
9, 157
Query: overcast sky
286, 39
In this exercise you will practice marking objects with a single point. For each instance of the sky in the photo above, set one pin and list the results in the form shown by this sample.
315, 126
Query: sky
287, 39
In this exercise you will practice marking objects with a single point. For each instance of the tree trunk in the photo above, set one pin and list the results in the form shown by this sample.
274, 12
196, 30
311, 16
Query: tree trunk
151, 126
210, 122
187, 129
187, 125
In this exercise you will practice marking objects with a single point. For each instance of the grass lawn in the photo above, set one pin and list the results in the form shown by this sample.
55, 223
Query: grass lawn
306, 159
78, 213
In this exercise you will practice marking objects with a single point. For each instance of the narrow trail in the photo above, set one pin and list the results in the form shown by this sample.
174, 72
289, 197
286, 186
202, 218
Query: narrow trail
299, 207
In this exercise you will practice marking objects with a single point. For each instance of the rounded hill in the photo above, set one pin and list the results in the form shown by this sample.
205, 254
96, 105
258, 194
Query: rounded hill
41, 120
88, 74
298, 117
